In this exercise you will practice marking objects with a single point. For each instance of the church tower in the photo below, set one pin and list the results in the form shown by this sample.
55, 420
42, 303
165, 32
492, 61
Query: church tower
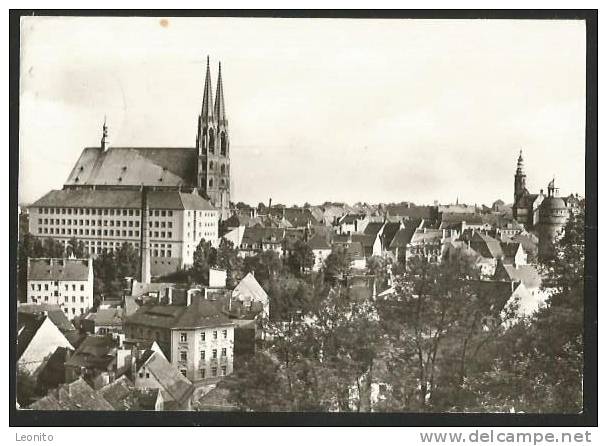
520, 188
213, 144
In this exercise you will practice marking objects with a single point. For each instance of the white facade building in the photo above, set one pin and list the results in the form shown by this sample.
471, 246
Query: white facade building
105, 219
64, 282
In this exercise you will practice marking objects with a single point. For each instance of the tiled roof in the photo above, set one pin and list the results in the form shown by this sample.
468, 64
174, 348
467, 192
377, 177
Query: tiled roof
123, 199
200, 314
58, 269
123, 395
351, 218
390, 231
509, 250
486, 246
256, 235
106, 317
54, 313
356, 250
77, 395
456, 217
373, 228
161, 316
319, 241
177, 386
94, 352
426, 212
134, 166
426, 236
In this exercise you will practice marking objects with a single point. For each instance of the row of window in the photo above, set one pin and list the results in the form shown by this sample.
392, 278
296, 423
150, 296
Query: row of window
203, 372
46, 285
67, 299
183, 355
183, 337
123, 212
118, 223
104, 232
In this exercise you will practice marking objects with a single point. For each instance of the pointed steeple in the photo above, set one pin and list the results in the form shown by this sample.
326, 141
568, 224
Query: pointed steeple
519, 165
104, 138
207, 98
220, 109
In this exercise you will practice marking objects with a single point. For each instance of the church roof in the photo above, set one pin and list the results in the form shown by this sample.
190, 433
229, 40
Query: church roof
124, 199
135, 166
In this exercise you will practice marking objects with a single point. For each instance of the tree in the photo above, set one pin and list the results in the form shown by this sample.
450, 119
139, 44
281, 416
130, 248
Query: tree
300, 257
227, 259
337, 264
26, 387
266, 266
75, 248
435, 310
205, 256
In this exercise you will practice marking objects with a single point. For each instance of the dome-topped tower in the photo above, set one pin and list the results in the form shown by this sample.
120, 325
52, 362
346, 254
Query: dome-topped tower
553, 214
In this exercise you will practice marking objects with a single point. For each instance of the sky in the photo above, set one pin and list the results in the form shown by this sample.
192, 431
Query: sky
319, 109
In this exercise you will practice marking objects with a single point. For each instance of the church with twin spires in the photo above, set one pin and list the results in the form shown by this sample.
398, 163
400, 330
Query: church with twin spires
204, 169
179, 194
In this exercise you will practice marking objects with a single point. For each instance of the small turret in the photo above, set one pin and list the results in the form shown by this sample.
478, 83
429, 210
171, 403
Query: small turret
105, 140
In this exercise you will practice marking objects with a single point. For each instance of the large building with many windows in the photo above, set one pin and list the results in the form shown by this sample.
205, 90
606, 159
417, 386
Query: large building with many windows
178, 194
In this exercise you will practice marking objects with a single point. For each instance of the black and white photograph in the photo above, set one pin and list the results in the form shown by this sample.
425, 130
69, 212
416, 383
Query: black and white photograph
304, 214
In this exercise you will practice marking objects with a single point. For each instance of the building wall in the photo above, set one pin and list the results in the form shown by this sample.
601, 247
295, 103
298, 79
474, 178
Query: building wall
75, 297
187, 356
173, 234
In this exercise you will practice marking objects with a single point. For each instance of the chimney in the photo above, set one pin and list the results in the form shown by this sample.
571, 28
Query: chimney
145, 275
270, 203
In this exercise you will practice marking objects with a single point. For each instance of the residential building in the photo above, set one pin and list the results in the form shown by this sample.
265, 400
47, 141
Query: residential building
37, 339
67, 283
321, 248
202, 342
152, 371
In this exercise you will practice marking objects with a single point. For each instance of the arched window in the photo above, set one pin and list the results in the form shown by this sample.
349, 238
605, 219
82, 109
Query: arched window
224, 144
210, 165
211, 141
223, 169
211, 182
204, 138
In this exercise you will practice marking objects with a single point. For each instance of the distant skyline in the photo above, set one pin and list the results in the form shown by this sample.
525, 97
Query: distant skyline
319, 109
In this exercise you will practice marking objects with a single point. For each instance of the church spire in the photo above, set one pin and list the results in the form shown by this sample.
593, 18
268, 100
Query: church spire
520, 167
104, 138
207, 104
220, 109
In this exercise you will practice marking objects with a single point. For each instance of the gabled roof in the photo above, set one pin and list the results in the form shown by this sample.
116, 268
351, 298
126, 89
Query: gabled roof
426, 236
58, 269
356, 250
77, 395
509, 250
319, 241
425, 212
135, 166
527, 274
161, 316
202, 314
390, 231
54, 313
124, 199
373, 228
95, 352
249, 286
486, 246
177, 386
28, 325
123, 395
107, 317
